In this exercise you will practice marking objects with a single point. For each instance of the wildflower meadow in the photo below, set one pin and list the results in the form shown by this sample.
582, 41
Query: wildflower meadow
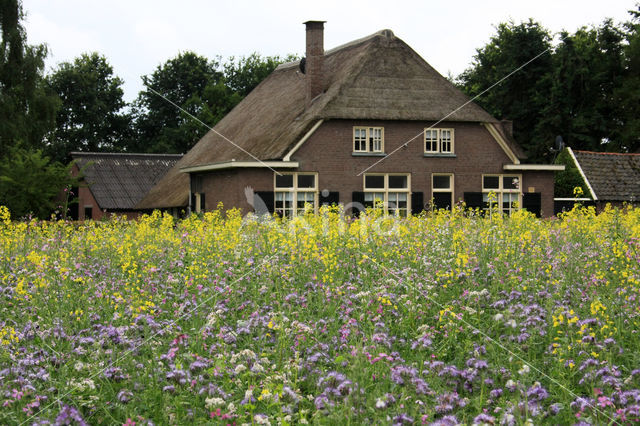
445, 318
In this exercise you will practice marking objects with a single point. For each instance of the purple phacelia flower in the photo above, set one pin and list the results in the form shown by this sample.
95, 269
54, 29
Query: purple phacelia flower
483, 419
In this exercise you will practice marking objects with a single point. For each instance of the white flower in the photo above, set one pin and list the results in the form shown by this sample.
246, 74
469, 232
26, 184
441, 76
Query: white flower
511, 323
211, 403
498, 317
524, 370
261, 419
248, 394
240, 368
381, 403
231, 408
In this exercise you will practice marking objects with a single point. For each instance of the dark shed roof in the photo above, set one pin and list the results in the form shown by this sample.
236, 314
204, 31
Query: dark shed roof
612, 176
378, 77
119, 181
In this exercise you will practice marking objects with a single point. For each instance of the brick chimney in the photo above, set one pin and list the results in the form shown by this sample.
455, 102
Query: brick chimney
314, 62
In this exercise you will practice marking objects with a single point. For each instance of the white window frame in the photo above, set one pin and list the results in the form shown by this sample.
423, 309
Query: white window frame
369, 142
293, 192
389, 194
450, 189
501, 192
439, 132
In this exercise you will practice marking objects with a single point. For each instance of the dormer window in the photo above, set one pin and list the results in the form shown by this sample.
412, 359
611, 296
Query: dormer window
368, 139
438, 141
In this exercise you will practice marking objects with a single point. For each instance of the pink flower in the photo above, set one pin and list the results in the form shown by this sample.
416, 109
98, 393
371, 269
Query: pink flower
129, 422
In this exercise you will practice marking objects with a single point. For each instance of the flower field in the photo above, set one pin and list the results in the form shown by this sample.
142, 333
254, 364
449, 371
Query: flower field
442, 319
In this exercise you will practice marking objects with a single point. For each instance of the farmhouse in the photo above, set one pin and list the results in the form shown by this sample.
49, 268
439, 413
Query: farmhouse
610, 177
114, 182
369, 123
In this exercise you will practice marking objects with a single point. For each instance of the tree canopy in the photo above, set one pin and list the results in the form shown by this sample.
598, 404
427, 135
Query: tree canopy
204, 88
91, 116
27, 107
586, 88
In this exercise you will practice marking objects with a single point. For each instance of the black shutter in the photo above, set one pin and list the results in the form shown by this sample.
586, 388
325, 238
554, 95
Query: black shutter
331, 199
202, 203
473, 200
417, 202
262, 200
532, 201
358, 203
442, 200
192, 203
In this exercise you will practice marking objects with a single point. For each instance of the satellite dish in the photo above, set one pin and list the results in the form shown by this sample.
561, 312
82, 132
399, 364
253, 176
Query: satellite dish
302, 65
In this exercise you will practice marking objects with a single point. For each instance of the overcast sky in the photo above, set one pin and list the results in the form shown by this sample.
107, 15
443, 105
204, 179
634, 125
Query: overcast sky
138, 35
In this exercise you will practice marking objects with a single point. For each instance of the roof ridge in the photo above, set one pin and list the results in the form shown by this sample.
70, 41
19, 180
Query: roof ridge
605, 153
382, 33
124, 154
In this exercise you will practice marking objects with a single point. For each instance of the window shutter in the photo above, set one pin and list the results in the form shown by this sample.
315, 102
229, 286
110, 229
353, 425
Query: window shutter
417, 202
192, 203
266, 197
532, 201
358, 203
202, 203
330, 199
442, 200
473, 200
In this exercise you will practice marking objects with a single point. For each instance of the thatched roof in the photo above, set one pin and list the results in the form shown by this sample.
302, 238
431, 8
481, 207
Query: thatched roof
378, 77
119, 181
612, 176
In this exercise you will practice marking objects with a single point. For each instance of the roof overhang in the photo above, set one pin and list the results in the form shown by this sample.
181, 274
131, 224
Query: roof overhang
503, 143
241, 165
534, 167
584, 177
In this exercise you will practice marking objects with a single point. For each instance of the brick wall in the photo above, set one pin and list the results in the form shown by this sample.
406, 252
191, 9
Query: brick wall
329, 152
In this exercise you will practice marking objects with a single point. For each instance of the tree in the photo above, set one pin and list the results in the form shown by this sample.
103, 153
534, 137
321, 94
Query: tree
27, 107
242, 75
627, 94
190, 81
91, 116
568, 179
204, 88
521, 96
30, 182
587, 68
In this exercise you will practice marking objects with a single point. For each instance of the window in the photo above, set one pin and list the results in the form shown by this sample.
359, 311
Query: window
506, 189
390, 192
442, 191
438, 141
295, 192
368, 139
197, 194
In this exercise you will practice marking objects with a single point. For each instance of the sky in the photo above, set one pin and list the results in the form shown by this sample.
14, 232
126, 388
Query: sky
136, 36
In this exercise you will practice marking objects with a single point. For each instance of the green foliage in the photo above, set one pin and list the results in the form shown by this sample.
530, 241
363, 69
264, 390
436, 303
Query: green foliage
204, 88
522, 96
627, 94
243, 74
194, 83
587, 67
30, 182
586, 89
27, 107
91, 116
568, 179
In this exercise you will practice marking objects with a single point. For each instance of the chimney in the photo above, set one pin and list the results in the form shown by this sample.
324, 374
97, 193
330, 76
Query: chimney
314, 62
